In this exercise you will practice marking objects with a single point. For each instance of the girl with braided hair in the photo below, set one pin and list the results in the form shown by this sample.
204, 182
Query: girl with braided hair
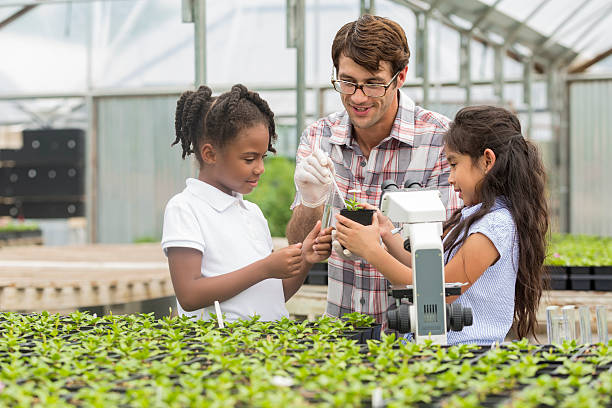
496, 243
218, 244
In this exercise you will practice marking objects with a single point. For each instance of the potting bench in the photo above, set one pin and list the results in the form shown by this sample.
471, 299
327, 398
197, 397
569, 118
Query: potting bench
64, 278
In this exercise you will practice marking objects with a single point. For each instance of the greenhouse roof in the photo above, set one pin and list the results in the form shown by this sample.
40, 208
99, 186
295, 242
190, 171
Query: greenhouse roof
72, 46
561, 32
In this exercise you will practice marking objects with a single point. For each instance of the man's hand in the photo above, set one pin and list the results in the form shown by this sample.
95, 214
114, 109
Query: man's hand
313, 178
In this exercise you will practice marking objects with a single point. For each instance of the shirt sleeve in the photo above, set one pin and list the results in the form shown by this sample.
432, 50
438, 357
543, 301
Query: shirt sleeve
498, 226
181, 228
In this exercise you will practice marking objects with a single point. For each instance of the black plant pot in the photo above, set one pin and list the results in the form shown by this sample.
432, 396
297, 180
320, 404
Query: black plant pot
602, 278
8, 235
362, 215
317, 274
558, 277
580, 277
366, 334
376, 331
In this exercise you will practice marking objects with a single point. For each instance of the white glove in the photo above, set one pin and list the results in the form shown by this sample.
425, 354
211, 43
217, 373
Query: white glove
342, 252
313, 178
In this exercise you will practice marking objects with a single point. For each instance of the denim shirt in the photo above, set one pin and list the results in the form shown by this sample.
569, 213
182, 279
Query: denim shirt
491, 297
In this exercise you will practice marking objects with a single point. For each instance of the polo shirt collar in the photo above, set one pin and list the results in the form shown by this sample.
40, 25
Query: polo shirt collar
217, 199
402, 129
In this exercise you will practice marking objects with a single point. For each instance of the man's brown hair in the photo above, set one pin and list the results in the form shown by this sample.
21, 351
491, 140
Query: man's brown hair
370, 40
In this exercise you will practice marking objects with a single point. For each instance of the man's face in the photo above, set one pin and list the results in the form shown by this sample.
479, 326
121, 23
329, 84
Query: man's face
365, 111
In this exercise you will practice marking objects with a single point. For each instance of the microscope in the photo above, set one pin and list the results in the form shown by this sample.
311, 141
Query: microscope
420, 214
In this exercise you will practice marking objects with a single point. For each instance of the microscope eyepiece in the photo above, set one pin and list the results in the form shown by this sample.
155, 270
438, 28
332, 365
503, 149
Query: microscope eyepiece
389, 185
412, 184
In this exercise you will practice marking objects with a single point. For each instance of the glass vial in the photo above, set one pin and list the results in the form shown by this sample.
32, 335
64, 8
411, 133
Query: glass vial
586, 337
602, 323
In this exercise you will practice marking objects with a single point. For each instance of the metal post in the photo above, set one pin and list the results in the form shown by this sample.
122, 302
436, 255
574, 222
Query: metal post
199, 22
465, 76
301, 56
498, 82
565, 145
527, 99
366, 7
422, 67
91, 170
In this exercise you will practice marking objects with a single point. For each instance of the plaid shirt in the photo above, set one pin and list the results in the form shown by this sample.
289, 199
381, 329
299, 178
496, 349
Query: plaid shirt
412, 151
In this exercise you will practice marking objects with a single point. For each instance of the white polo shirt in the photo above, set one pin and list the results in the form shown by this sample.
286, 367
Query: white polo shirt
231, 233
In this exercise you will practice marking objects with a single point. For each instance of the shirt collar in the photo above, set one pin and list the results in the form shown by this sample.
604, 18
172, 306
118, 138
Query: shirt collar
217, 199
403, 126
500, 202
341, 133
402, 129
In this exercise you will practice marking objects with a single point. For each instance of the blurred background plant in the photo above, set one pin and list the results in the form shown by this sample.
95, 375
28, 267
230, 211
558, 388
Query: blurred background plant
18, 226
579, 250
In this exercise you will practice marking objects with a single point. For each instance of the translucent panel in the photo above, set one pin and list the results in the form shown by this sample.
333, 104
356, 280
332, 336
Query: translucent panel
6, 12
519, 9
581, 25
44, 50
141, 43
70, 47
43, 112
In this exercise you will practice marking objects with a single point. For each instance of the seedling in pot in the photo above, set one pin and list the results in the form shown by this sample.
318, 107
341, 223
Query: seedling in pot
351, 203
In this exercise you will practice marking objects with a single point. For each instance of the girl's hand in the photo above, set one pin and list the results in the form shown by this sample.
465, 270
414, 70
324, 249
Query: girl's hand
384, 224
317, 245
285, 263
357, 238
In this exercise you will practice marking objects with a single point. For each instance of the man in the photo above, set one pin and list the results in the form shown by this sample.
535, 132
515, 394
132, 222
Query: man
380, 135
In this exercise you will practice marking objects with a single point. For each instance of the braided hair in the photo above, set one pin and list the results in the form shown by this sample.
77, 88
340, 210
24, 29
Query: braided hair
201, 118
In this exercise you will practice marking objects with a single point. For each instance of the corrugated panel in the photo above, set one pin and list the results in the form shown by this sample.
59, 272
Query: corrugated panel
138, 171
591, 157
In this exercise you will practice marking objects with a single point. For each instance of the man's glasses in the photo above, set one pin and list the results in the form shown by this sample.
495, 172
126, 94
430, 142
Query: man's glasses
370, 90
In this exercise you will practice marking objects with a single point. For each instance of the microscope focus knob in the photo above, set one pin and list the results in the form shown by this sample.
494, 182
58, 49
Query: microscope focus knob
457, 317
399, 319
404, 318
468, 319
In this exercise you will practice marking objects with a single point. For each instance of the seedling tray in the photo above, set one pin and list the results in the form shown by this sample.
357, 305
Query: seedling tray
135, 360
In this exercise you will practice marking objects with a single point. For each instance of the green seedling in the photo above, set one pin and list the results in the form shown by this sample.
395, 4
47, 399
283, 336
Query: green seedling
351, 203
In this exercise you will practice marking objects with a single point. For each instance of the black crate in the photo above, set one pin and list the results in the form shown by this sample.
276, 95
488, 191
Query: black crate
48, 147
602, 278
41, 181
558, 276
580, 278
53, 209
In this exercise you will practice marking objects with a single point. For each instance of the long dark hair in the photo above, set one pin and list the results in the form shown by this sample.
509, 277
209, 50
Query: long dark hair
518, 175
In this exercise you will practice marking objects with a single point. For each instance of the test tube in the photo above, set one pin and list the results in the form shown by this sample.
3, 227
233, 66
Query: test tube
569, 322
326, 220
586, 337
602, 323
552, 329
